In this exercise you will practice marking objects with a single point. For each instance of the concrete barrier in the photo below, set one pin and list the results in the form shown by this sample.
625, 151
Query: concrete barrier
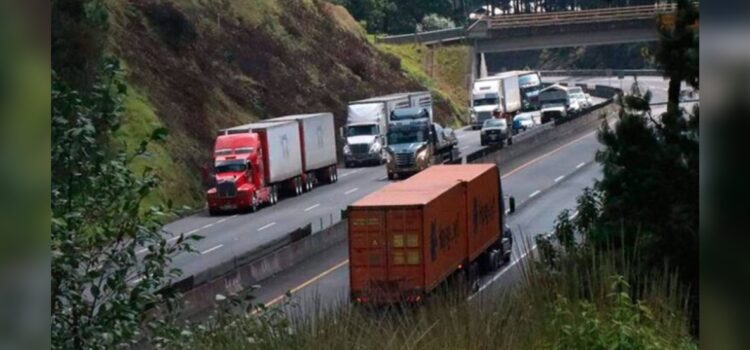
248, 269
202, 297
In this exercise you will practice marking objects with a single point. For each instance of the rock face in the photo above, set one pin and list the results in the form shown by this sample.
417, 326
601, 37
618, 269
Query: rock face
203, 65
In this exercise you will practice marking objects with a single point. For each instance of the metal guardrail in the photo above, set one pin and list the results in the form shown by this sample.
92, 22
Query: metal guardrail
599, 72
434, 36
576, 17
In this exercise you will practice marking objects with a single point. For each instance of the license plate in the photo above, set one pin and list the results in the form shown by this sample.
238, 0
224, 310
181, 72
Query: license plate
228, 207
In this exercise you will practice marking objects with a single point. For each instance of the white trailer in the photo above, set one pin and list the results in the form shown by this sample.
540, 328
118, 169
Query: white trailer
367, 125
281, 145
318, 141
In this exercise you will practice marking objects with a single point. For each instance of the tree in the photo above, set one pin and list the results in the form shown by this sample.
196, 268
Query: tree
101, 284
435, 22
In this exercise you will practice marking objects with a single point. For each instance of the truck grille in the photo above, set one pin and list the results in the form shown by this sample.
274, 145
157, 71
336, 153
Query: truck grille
359, 148
404, 159
226, 189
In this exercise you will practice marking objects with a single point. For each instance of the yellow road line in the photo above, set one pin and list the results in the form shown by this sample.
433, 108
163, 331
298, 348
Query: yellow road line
337, 266
522, 166
308, 282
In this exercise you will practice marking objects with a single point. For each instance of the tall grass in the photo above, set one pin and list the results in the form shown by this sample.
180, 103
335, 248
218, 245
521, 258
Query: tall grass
593, 301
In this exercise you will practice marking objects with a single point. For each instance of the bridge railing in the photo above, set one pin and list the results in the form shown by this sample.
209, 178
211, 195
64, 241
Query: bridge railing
449, 34
574, 17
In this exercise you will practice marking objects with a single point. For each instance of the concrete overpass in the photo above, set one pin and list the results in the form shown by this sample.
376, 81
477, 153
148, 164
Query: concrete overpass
616, 25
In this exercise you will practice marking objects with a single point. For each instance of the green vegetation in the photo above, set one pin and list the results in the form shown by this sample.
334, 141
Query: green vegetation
583, 306
138, 122
444, 70
406, 16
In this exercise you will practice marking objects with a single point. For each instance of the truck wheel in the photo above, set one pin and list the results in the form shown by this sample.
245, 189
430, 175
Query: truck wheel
212, 212
254, 203
391, 176
310, 182
348, 164
335, 173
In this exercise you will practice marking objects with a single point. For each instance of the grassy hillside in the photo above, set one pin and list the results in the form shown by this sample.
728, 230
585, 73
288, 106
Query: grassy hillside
195, 66
444, 70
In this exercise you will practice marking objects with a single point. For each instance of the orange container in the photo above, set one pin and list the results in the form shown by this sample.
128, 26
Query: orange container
408, 237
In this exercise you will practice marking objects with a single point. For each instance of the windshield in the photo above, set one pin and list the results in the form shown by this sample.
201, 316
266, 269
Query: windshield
230, 166
529, 80
486, 101
494, 123
405, 136
359, 130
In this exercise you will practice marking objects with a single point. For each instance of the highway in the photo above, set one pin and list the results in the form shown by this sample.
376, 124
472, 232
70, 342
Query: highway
225, 237
543, 184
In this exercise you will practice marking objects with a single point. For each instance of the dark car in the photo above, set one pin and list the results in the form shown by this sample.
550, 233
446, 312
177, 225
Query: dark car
494, 131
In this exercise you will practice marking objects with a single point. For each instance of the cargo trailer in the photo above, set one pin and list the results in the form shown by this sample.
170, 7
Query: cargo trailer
409, 237
318, 140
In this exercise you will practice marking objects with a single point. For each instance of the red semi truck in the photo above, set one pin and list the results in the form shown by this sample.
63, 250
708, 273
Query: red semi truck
409, 237
255, 163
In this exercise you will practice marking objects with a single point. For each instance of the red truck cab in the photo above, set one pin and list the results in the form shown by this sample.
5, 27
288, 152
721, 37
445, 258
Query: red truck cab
238, 170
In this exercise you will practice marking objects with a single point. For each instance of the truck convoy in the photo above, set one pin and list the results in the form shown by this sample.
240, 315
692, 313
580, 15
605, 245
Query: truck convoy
415, 142
411, 236
254, 163
503, 95
367, 125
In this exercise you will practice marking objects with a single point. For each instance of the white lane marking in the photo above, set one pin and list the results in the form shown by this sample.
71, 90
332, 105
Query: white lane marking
504, 270
312, 207
535, 193
211, 249
351, 172
352, 190
580, 165
559, 178
191, 232
266, 226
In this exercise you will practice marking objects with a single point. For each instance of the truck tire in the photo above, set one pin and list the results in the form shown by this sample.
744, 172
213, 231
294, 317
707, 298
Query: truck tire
275, 194
213, 212
391, 176
309, 182
254, 203
297, 186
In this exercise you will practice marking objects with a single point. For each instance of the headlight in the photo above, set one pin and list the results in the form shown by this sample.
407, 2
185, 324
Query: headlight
347, 150
422, 154
375, 147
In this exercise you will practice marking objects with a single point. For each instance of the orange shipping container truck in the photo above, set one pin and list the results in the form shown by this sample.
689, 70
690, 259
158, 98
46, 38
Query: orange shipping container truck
410, 236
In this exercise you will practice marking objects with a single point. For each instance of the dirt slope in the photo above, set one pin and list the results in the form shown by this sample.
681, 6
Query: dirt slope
195, 66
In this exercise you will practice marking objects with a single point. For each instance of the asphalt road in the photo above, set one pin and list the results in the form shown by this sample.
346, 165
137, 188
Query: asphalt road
543, 186
227, 236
